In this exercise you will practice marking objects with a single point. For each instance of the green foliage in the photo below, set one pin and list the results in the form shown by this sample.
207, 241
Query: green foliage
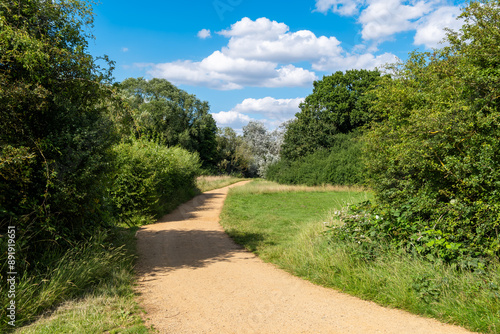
170, 116
151, 179
234, 154
339, 165
55, 139
338, 104
434, 161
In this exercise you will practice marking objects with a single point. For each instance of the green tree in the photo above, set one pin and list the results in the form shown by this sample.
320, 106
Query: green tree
234, 154
170, 116
55, 137
338, 104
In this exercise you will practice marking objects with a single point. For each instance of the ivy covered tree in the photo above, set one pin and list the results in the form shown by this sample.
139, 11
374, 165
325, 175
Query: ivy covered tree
55, 136
170, 116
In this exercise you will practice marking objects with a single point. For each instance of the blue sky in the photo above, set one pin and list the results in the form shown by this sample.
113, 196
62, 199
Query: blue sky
257, 60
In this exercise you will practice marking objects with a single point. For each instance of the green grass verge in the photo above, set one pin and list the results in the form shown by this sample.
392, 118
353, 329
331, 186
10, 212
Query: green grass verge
289, 230
88, 290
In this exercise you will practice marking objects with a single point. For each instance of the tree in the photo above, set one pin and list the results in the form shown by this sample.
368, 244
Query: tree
265, 145
55, 138
170, 116
234, 153
338, 104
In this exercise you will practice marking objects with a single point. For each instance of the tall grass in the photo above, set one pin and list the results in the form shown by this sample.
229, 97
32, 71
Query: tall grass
396, 279
93, 270
290, 229
260, 186
209, 182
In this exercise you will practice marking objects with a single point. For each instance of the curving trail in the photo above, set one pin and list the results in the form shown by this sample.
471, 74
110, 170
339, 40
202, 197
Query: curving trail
194, 279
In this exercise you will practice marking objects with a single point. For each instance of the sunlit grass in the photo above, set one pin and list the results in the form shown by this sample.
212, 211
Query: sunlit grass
260, 186
88, 290
207, 182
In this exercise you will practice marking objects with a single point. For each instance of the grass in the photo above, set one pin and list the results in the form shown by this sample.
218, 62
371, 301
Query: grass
207, 183
289, 229
88, 290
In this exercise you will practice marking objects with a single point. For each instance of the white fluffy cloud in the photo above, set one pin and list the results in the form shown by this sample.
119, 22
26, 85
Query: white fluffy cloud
220, 71
204, 33
268, 40
268, 110
231, 118
430, 30
262, 53
363, 61
382, 19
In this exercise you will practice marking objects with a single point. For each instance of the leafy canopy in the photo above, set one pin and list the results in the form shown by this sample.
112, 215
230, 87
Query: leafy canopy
338, 104
170, 116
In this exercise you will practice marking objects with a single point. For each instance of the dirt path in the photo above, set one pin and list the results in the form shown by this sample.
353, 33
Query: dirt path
194, 279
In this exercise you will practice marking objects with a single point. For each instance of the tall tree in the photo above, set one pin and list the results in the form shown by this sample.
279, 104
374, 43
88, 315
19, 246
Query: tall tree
170, 116
338, 104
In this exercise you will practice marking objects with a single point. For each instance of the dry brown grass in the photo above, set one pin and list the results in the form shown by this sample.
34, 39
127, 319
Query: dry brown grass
262, 186
208, 182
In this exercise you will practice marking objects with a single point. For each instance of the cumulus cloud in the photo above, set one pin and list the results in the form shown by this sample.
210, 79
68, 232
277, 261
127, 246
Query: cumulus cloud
381, 19
431, 29
219, 71
384, 18
231, 118
262, 53
272, 112
363, 61
204, 33
268, 40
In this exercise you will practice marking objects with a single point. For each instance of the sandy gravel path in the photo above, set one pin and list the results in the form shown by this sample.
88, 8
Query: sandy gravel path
194, 279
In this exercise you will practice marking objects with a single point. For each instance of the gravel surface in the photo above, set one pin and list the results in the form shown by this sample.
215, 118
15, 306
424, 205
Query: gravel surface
192, 278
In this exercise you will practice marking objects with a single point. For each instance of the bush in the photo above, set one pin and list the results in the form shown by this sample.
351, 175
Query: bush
151, 179
340, 165
434, 160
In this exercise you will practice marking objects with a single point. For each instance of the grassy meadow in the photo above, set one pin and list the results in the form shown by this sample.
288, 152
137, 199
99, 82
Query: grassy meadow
289, 226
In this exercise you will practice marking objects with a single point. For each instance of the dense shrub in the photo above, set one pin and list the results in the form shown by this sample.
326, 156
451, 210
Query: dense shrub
151, 179
340, 165
55, 137
434, 163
